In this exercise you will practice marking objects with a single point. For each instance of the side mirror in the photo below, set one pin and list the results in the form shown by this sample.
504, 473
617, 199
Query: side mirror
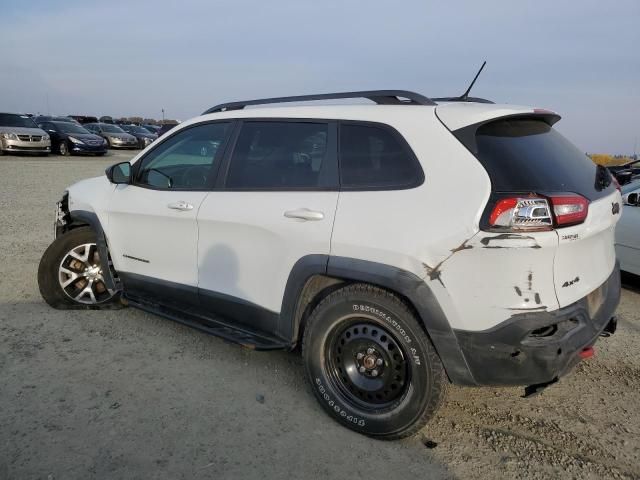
119, 173
633, 199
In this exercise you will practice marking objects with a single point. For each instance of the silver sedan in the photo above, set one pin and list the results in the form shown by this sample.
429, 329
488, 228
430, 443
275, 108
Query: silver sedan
628, 229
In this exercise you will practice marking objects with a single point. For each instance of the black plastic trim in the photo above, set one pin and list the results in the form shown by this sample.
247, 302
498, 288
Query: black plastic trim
91, 219
381, 97
507, 354
418, 293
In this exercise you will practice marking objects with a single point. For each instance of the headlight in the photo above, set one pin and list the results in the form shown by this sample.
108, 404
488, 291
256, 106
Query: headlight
45, 138
10, 136
76, 141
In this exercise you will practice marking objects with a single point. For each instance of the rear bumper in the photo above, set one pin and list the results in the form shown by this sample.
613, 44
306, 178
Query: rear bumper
537, 348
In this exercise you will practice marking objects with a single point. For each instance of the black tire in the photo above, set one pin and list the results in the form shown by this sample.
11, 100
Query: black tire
49, 276
64, 149
365, 317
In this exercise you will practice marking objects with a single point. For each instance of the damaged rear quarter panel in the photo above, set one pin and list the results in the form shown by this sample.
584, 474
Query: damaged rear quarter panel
499, 275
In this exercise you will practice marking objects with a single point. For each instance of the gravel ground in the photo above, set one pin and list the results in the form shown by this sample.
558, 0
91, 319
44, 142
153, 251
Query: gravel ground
125, 394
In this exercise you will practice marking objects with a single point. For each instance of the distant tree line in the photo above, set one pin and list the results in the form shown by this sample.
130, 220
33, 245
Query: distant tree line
609, 160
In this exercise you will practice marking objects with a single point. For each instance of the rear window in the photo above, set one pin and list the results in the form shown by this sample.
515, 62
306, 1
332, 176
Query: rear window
528, 155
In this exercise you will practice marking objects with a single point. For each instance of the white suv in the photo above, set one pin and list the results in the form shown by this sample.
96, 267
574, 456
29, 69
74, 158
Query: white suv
403, 245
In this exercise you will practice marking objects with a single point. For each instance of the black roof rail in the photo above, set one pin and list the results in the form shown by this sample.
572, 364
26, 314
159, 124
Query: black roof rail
381, 97
460, 99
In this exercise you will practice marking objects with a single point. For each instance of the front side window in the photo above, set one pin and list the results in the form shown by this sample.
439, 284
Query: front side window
280, 156
186, 160
375, 157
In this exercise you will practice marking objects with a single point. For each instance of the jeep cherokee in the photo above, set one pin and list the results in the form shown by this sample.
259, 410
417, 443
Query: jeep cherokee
337, 228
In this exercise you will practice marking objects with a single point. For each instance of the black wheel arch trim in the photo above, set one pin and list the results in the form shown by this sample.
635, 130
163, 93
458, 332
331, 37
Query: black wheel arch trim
404, 283
91, 219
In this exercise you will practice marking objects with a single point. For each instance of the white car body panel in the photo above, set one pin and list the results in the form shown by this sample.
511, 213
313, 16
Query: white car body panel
148, 238
585, 257
247, 247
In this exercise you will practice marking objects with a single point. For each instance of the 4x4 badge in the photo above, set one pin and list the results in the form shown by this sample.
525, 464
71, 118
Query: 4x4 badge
615, 208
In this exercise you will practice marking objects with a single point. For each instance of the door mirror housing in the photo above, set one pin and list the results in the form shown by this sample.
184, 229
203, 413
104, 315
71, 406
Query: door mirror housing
120, 173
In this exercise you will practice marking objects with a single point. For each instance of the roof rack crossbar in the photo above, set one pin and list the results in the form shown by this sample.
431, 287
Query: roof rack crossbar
381, 97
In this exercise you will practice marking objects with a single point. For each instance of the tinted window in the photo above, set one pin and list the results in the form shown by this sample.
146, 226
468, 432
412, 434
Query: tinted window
184, 161
13, 120
528, 155
373, 156
280, 155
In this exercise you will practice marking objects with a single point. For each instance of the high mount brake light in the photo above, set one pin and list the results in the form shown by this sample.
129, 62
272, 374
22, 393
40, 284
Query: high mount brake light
539, 213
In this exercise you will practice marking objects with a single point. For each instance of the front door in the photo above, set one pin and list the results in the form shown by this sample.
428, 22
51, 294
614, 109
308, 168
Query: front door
152, 229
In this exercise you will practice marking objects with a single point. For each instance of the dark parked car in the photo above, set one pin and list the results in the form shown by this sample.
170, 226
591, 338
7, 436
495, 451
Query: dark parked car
50, 118
84, 119
144, 136
68, 138
626, 172
113, 134
165, 128
152, 128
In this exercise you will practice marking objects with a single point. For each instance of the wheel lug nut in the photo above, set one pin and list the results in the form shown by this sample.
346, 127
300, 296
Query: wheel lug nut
362, 369
370, 350
360, 356
379, 362
374, 373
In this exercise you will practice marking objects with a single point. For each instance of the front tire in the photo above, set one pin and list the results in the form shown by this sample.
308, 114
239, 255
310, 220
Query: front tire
371, 365
63, 148
70, 273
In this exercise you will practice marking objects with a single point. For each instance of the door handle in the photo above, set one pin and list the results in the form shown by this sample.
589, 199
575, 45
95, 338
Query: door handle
181, 205
304, 214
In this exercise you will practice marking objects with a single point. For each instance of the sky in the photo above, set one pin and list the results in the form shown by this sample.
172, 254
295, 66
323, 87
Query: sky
136, 57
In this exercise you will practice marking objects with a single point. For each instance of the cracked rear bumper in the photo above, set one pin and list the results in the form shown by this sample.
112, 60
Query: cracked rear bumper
536, 348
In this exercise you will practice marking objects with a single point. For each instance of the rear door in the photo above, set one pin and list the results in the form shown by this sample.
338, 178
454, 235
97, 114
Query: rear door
525, 155
276, 206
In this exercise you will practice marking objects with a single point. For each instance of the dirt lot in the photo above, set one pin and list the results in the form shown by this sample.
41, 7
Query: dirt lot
124, 394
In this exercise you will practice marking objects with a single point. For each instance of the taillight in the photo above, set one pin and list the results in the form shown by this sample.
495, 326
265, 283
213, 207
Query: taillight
569, 209
538, 212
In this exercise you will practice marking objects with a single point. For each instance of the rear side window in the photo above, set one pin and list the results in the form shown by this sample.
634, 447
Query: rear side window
376, 157
282, 155
528, 155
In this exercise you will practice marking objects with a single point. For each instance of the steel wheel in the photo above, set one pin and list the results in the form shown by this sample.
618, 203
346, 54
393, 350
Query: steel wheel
80, 275
367, 365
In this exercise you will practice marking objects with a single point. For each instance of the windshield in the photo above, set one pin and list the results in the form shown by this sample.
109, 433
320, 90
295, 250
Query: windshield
68, 127
13, 120
137, 129
111, 128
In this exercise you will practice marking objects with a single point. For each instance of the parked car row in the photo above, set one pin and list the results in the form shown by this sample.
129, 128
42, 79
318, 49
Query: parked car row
627, 172
69, 135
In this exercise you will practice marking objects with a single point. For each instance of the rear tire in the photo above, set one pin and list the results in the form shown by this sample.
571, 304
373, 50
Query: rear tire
371, 365
70, 275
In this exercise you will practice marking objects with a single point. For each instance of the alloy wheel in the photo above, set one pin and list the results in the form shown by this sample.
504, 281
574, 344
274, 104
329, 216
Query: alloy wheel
80, 275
